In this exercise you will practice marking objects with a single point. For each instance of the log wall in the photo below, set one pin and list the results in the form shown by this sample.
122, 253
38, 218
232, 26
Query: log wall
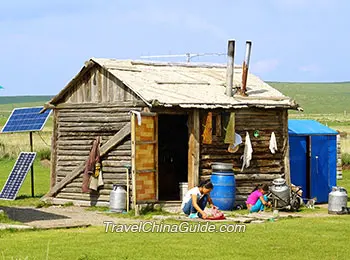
76, 129
264, 166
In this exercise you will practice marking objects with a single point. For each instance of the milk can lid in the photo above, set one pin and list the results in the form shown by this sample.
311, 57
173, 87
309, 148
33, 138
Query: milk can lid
279, 181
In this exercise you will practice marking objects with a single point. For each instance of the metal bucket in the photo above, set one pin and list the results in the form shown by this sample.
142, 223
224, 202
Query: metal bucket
183, 187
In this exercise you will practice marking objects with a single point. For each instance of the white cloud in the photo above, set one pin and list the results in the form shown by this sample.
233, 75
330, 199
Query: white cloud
311, 68
265, 66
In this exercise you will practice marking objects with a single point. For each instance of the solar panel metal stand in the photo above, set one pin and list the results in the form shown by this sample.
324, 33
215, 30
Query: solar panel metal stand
32, 166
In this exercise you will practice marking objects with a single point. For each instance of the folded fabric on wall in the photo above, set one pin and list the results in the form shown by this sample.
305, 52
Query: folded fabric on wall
230, 130
248, 151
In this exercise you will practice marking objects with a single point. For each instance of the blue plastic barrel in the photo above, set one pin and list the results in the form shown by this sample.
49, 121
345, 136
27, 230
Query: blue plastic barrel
224, 192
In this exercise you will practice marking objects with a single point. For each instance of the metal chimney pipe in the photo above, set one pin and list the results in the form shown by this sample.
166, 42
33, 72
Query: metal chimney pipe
245, 67
230, 67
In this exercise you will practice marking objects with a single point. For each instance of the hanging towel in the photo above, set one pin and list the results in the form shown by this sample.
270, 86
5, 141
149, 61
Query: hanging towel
230, 130
94, 157
138, 114
208, 129
273, 143
248, 150
234, 147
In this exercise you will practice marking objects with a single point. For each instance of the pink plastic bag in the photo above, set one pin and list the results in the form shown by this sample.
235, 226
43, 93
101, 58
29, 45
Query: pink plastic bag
216, 214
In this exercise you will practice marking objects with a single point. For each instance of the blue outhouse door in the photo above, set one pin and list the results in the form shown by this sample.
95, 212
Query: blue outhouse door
322, 166
298, 159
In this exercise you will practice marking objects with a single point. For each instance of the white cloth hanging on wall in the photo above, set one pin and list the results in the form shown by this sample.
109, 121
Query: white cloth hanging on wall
248, 151
273, 143
138, 114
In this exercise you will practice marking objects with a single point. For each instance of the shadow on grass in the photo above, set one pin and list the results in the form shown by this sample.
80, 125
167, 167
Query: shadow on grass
25, 215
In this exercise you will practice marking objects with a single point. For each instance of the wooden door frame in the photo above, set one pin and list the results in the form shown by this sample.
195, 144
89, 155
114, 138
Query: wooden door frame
193, 148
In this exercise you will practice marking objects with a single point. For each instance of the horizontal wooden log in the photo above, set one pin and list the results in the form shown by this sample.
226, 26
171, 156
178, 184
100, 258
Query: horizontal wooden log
253, 163
94, 119
71, 158
79, 153
78, 191
82, 196
120, 105
75, 143
115, 164
88, 135
266, 174
116, 180
125, 156
115, 127
76, 148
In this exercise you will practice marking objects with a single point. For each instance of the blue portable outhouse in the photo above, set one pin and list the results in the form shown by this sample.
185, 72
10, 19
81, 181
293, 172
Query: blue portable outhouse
313, 157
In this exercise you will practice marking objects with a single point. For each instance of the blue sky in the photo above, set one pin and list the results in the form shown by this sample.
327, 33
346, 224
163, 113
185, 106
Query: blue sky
45, 43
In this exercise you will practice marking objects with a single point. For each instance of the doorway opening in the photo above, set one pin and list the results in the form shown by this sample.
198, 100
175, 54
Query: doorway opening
172, 155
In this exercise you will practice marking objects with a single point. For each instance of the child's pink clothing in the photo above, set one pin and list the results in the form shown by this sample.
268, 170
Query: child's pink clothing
253, 197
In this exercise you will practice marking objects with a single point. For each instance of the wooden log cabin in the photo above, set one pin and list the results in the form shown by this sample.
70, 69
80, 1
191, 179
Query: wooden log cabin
176, 102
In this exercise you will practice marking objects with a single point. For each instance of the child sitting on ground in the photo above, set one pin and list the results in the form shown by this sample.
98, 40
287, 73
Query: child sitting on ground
196, 199
257, 200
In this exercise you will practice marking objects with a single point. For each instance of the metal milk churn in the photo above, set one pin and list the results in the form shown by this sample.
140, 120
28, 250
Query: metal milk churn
117, 199
280, 192
337, 199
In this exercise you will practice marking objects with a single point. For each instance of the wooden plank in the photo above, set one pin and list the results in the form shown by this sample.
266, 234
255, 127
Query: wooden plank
96, 119
285, 148
133, 163
194, 148
117, 138
156, 155
54, 149
123, 105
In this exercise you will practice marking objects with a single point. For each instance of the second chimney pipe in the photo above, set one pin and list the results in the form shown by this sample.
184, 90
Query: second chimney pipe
230, 67
246, 67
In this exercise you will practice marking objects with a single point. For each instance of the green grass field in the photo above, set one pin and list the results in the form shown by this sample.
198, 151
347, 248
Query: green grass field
316, 238
318, 98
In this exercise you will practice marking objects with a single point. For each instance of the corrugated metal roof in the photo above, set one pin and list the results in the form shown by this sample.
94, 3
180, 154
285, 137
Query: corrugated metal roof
191, 85
308, 127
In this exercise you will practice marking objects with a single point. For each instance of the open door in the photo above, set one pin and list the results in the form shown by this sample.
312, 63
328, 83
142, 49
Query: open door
144, 152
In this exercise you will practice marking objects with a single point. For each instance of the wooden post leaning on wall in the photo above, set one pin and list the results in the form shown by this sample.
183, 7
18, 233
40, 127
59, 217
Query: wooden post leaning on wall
54, 149
133, 164
286, 146
193, 148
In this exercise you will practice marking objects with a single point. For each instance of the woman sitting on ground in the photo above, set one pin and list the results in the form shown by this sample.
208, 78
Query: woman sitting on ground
196, 199
257, 200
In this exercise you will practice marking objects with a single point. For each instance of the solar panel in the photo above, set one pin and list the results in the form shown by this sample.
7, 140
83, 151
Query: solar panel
17, 176
26, 120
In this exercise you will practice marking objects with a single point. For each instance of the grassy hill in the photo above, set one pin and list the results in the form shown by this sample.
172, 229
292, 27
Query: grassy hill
7, 104
24, 99
318, 98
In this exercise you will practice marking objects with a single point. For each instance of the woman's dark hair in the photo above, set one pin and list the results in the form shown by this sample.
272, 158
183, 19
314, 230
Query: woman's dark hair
206, 184
264, 187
